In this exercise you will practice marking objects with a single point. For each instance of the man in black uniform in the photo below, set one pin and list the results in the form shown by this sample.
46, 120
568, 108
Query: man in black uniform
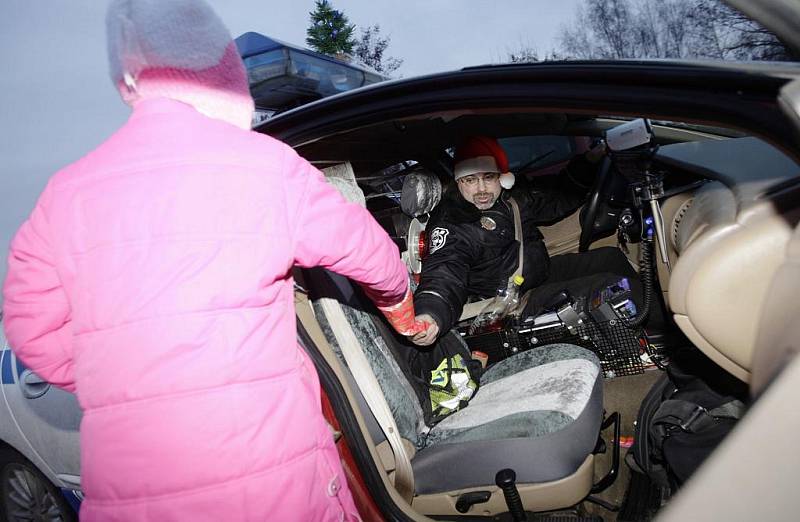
472, 250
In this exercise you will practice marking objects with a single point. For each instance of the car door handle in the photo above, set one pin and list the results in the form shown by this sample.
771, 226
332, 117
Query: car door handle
32, 385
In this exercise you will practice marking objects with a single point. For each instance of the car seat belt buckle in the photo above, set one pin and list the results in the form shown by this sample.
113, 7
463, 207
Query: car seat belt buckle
569, 316
698, 412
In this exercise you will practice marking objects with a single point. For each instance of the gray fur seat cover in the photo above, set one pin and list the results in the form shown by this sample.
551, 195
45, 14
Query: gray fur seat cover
538, 412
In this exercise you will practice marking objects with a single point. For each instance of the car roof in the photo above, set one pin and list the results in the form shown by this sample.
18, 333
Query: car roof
417, 119
732, 96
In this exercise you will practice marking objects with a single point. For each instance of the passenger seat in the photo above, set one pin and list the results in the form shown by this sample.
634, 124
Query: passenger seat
538, 413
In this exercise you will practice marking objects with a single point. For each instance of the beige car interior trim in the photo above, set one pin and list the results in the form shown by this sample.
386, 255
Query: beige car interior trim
712, 205
305, 315
563, 237
686, 326
778, 340
729, 251
472, 309
535, 497
387, 455
673, 209
753, 474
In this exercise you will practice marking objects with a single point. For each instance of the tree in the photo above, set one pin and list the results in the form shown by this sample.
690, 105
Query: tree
618, 29
370, 48
330, 31
522, 53
735, 35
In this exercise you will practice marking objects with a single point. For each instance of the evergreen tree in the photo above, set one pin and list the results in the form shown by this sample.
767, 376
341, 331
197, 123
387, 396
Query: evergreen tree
330, 31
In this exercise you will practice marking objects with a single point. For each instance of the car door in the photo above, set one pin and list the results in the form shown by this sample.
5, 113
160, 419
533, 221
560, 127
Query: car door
46, 418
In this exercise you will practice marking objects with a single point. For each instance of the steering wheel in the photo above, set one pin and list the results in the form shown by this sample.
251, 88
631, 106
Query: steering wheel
589, 214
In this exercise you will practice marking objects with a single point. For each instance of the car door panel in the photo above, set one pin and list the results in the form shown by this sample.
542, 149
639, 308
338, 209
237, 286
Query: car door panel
47, 417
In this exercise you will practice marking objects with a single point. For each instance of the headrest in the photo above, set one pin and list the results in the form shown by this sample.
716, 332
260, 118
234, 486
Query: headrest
422, 191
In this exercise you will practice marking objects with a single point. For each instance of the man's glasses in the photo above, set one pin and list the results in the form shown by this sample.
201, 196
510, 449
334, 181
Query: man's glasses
472, 179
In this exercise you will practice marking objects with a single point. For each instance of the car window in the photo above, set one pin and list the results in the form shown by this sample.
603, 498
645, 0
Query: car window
526, 152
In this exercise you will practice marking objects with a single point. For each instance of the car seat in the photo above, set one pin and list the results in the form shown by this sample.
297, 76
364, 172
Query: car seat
538, 413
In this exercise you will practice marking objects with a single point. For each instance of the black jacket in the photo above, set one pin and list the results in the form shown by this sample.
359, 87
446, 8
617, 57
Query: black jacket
466, 258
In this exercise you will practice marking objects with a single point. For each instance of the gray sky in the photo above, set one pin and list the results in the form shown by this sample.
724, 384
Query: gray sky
58, 103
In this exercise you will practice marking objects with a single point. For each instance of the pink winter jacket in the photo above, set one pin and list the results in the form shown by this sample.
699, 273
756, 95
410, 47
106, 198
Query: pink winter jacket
153, 279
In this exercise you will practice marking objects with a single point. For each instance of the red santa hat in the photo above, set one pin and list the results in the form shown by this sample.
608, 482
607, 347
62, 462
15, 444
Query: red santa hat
481, 154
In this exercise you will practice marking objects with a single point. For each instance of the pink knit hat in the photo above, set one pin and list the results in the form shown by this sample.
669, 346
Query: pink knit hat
177, 49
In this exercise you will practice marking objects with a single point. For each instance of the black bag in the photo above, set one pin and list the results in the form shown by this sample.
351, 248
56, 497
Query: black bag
680, 422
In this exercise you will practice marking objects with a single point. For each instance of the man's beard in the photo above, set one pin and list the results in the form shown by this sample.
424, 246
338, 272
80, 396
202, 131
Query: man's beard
483, 200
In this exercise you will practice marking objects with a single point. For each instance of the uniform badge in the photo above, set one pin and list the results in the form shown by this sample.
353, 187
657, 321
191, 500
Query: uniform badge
438, 238
488, 223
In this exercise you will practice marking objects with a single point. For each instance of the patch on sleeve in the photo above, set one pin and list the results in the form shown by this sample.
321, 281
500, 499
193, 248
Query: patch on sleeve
438, 238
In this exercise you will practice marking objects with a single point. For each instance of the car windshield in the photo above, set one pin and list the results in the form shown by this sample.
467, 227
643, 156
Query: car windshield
527, 152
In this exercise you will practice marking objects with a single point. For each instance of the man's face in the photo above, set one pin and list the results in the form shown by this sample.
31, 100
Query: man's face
482, 190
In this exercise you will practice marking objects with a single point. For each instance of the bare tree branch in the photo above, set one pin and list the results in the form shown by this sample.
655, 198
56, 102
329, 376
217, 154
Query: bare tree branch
666, 29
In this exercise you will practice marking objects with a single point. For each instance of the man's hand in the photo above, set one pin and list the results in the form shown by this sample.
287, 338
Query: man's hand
427, 337
596, 153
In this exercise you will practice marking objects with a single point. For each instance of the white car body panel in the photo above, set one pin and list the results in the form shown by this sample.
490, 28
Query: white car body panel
43, 428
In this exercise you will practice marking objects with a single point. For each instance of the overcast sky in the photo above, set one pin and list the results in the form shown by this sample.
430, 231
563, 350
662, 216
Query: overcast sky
58, 103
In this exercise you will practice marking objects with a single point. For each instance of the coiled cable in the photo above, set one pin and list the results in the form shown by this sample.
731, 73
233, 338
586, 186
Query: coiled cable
646, 275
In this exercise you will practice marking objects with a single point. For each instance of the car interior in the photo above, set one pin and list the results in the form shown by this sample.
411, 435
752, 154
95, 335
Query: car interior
707, 215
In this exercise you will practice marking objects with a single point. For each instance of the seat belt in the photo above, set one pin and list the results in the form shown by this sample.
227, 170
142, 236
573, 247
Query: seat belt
373, 394
517, 236
343, 178
472, 309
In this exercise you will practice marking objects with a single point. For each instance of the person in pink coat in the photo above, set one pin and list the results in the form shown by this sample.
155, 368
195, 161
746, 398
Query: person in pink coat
153, 279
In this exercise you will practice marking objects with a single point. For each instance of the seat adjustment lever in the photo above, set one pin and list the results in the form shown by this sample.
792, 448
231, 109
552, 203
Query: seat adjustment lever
467, 500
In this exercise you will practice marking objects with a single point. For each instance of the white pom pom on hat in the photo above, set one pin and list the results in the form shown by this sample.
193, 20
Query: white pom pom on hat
479, 154
507, 180
177, 49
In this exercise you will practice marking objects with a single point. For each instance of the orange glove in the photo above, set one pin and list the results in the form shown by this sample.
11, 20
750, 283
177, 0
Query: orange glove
402, 317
